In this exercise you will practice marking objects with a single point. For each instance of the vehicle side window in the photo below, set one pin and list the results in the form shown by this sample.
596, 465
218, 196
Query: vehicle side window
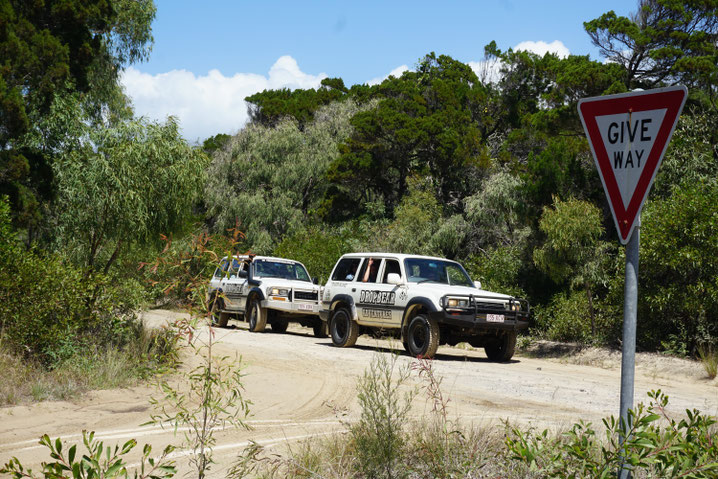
392, 266
346, 269
369, 270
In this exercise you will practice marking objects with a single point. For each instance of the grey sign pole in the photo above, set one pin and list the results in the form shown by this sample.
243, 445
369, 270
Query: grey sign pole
628, 360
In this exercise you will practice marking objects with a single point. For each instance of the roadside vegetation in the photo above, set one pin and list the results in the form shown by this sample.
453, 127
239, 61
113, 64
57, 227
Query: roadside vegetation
386, 441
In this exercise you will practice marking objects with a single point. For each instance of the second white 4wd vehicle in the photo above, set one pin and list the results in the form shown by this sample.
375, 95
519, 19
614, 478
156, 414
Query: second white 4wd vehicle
263, 289
425, 301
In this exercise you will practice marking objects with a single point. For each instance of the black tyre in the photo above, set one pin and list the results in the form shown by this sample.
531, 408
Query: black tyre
219, 317
256, 316
344, 330
502, 348
422, 337
321, 329
279, 325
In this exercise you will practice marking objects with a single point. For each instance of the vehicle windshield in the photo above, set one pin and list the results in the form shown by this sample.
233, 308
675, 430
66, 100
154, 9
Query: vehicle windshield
423, 270
276, 269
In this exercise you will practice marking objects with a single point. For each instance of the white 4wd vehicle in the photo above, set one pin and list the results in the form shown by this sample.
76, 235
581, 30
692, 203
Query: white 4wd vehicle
423, 300
261, 290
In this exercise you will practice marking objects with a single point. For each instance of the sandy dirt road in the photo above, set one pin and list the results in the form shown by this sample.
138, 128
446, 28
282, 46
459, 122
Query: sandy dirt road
297, 383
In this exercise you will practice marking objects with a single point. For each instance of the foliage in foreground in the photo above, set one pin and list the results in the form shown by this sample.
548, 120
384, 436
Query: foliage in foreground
658, 445
98, 462
214, 398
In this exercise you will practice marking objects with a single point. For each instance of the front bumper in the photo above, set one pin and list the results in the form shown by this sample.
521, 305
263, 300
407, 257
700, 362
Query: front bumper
482, 315
294, 307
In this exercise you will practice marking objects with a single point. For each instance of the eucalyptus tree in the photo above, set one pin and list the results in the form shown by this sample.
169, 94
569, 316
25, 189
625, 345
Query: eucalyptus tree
573, 251
269, 181
125, 185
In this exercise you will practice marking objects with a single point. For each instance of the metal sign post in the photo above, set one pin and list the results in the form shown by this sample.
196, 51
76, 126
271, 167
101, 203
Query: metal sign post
628, 134
628, 358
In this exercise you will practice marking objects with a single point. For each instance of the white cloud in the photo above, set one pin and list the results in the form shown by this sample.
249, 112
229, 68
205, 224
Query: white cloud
489, 70
211, 104
396, 72
541, 48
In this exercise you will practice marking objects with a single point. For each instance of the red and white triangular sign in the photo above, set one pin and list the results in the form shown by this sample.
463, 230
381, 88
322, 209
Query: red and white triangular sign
628, 134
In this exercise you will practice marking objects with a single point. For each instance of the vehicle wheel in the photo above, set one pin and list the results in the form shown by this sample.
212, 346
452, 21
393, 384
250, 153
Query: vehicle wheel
279, 325
344, 330
422, 337
219, 318
256, 316
502, 349
321, 329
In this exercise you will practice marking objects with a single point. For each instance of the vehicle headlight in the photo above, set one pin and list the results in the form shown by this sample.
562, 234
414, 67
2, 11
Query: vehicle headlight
515, 306
279, 292
457, 303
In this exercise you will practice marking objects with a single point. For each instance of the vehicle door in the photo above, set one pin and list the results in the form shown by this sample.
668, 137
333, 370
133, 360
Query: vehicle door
380, 302
342, 281
215, 283
235, 285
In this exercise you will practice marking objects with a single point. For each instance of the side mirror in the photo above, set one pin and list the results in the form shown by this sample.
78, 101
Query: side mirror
393, 278
477, 284
243, 274
315, 280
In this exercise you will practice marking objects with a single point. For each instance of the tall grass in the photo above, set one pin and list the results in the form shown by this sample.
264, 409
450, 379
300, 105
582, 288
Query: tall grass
709, 360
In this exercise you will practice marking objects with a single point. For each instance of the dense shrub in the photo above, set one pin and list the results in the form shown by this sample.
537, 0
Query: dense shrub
51, 311
678, 274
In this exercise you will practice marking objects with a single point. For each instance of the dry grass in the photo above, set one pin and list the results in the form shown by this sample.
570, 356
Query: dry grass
27, 381
431, 450
709, 360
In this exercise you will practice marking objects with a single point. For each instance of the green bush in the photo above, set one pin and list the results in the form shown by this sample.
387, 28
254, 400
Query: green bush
51, 311
565, 318
380, 434
657, 446
678, 275
498, 270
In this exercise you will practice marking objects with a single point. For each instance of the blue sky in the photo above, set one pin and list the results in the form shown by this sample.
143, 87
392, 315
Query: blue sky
209, 55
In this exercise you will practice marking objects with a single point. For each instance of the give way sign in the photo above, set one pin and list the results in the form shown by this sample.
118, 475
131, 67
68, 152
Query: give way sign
628, 134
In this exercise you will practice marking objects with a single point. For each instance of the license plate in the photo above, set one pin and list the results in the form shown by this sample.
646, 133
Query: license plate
306, 307
495, 318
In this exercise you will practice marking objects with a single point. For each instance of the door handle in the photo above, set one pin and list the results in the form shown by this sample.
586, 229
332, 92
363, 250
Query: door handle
354, 290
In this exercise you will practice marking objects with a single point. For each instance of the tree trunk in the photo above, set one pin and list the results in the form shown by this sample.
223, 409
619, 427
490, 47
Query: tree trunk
590, 311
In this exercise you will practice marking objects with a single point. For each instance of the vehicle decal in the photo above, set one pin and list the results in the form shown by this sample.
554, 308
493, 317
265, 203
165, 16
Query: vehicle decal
374, 313
377, 297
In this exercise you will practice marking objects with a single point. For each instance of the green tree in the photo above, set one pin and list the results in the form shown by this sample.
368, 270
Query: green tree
679, 269
49, 48
126, 185
270, 180
573, 250
269, 107
665, 41
430, 123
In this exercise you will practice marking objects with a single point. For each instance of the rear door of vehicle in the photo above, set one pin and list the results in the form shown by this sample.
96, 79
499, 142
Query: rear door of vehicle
235, 286
380, 303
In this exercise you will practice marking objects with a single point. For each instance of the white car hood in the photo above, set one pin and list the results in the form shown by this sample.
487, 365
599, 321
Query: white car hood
268, 281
